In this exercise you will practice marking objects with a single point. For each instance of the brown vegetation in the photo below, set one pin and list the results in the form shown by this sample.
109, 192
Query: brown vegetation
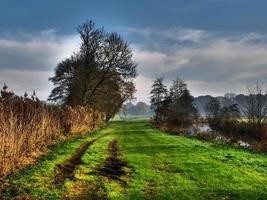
80, 119
27, 126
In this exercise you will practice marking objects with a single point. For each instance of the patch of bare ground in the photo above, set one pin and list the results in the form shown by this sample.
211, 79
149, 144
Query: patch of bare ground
114, 168
66, 170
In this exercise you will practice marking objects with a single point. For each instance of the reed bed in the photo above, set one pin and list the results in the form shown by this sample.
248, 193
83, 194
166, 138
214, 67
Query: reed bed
80, 119
28, 126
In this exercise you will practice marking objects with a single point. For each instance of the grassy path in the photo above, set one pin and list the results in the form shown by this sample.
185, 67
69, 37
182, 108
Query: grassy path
129, 160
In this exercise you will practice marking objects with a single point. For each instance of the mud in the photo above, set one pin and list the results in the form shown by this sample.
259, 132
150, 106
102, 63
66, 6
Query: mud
66, 170
113, 167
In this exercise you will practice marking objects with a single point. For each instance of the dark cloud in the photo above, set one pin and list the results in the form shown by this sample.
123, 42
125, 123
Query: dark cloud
212, 63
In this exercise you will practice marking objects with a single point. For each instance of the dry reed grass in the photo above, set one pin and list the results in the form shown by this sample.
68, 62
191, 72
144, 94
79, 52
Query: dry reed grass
28, 125
80, 119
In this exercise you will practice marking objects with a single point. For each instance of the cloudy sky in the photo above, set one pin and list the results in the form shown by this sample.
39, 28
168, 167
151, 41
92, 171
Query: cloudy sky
217, 46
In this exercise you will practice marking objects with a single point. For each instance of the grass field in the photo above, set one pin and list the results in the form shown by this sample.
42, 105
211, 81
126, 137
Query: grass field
129, 160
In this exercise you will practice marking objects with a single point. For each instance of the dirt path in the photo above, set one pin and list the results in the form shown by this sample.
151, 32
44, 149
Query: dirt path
66, 169
113, 167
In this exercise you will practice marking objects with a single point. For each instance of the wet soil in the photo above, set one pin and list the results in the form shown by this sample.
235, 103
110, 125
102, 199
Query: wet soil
113, 167
66, 170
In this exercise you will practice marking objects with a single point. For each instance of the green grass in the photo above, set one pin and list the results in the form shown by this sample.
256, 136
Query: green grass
161, 166
38, 180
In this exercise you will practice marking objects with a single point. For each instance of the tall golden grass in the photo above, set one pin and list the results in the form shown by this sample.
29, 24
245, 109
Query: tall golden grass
28, 126
80, 119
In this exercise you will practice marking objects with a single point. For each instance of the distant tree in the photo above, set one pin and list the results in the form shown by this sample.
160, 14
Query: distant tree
230, 112
103, 68
158, 96
255, 108
229, 99
141, 108
213, 108
174, 110
188, 107
177, 89
182, 112
219, 117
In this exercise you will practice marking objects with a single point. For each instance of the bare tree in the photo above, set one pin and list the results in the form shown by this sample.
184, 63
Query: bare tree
229, 99
219, 115
213, 109
255, 108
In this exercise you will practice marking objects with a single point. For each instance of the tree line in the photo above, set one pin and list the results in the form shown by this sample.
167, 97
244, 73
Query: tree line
174, 111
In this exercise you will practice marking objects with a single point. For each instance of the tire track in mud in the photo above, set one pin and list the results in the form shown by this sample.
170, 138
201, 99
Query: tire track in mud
67, 168
114, 167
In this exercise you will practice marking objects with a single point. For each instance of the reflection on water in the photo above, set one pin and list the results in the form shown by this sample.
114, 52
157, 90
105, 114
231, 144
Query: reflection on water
204, 128
193, 131
243, 144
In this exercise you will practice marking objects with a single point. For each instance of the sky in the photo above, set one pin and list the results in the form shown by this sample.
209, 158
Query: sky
216, 46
